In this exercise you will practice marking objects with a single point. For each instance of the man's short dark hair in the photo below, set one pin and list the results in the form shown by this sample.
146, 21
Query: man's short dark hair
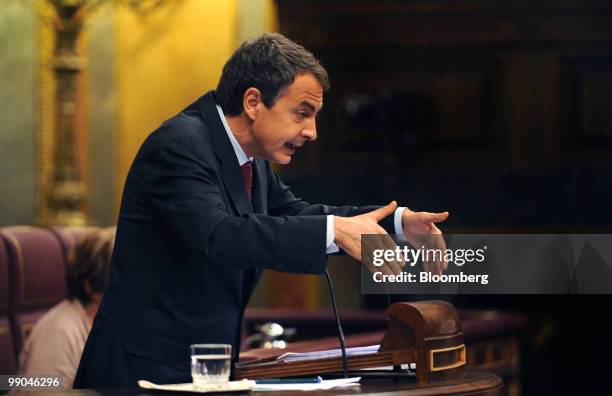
89, 263
268, 63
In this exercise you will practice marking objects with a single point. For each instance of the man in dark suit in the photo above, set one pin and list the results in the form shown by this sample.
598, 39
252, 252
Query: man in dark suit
203, 213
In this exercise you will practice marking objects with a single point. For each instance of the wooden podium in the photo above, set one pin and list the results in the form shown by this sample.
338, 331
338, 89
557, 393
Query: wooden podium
427, 333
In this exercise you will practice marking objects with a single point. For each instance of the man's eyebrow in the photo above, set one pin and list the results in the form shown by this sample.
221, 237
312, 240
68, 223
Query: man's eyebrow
308, 105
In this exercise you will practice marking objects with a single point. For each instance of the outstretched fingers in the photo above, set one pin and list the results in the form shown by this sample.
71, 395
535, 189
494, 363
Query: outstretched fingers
383, 212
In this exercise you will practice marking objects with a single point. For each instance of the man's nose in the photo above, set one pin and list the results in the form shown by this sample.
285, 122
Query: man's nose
310, 131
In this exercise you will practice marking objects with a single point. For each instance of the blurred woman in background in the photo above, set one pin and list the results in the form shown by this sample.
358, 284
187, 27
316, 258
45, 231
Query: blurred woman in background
56, 341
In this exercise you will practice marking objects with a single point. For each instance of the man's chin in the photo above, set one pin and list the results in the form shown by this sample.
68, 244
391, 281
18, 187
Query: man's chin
280, 159
284, 161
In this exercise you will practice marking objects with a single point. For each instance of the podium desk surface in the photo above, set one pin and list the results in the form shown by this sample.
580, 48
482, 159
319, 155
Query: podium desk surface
473, 382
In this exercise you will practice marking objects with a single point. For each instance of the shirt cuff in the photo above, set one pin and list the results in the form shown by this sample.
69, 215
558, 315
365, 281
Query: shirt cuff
330, 246
397, 222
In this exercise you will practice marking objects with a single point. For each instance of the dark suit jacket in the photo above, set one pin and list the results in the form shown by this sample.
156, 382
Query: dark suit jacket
190, 248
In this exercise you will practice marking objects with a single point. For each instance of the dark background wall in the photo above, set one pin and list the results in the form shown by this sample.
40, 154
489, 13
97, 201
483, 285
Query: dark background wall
498, 111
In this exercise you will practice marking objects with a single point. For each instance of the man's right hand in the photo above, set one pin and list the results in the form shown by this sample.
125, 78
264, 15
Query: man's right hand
348, 232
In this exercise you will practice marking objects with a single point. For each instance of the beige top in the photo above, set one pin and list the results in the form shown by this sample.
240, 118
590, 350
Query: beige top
56, 342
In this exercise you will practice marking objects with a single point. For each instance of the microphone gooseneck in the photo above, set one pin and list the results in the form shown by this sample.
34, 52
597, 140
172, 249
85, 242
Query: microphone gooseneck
340, 332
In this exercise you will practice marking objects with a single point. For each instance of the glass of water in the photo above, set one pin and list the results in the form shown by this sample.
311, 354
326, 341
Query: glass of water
210, 364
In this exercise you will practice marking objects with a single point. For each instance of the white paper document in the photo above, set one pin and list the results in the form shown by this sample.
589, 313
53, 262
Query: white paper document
330, 353
245, 385
231, 386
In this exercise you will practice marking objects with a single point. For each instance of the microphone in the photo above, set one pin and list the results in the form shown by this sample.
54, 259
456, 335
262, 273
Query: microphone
388, 295
340, 332
397, 370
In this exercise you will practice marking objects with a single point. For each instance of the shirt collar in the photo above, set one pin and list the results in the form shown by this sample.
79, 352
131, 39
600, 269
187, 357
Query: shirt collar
240, 154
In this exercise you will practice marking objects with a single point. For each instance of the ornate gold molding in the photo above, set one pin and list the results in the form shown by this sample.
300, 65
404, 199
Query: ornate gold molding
45, 99
61, 194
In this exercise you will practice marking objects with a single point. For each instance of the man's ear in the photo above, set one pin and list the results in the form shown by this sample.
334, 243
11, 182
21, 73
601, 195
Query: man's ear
250, 102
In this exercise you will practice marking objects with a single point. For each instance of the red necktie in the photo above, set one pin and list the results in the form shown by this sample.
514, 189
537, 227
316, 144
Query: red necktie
247, 173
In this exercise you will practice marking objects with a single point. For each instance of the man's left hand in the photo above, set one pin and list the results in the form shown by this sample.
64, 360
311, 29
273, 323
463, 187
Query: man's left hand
420, 230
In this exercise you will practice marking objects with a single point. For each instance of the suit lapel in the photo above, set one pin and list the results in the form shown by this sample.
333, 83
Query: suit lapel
260, 187
230, 170
233, 179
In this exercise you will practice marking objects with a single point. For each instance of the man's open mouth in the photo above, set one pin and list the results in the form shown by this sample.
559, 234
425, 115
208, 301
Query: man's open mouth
290, 146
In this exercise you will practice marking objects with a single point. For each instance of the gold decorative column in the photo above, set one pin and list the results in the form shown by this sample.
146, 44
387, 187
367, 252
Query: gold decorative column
67, 193
45, 109
62, 192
